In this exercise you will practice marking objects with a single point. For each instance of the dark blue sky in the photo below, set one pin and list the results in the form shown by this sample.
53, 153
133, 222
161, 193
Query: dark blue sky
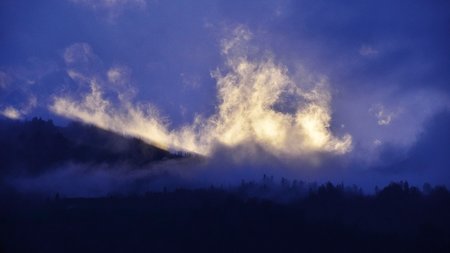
385, 65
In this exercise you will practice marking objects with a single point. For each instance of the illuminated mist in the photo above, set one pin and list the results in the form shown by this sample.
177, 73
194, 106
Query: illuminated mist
259, 103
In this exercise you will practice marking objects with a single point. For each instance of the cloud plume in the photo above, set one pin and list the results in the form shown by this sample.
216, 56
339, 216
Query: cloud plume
259, 104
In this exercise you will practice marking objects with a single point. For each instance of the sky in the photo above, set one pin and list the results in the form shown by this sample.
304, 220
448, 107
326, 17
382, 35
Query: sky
352, 90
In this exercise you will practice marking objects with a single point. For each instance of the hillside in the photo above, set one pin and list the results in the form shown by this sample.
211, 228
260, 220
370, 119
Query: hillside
31, 147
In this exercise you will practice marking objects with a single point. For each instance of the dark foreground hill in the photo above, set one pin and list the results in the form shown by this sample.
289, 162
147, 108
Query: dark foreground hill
398, 218
32, 147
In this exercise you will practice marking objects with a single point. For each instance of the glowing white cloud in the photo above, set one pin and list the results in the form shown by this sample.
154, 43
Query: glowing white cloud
249, 92
11, 112
141, 121
17, 113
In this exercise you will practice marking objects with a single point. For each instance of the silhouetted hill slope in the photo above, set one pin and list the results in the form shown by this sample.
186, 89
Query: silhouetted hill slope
38, 145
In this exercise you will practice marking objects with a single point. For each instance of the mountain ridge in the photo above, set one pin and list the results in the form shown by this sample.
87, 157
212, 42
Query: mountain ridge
35, 146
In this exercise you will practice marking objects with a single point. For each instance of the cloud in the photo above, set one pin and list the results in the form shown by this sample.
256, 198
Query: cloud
368, 51
5, 80
426, 160
240, 35
81, 62
78, 53
24, 84
112, 8
383, 116
74, 180
119, 79
11, 112
117, 75
142, 121
111, 4
190, 81
24, 109
249, 93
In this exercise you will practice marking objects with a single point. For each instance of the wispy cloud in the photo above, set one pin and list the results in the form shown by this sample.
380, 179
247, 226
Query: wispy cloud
112, 8
78, 53
383, 116
20, 111
111, 4
248, 92
368, 51
5, 80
